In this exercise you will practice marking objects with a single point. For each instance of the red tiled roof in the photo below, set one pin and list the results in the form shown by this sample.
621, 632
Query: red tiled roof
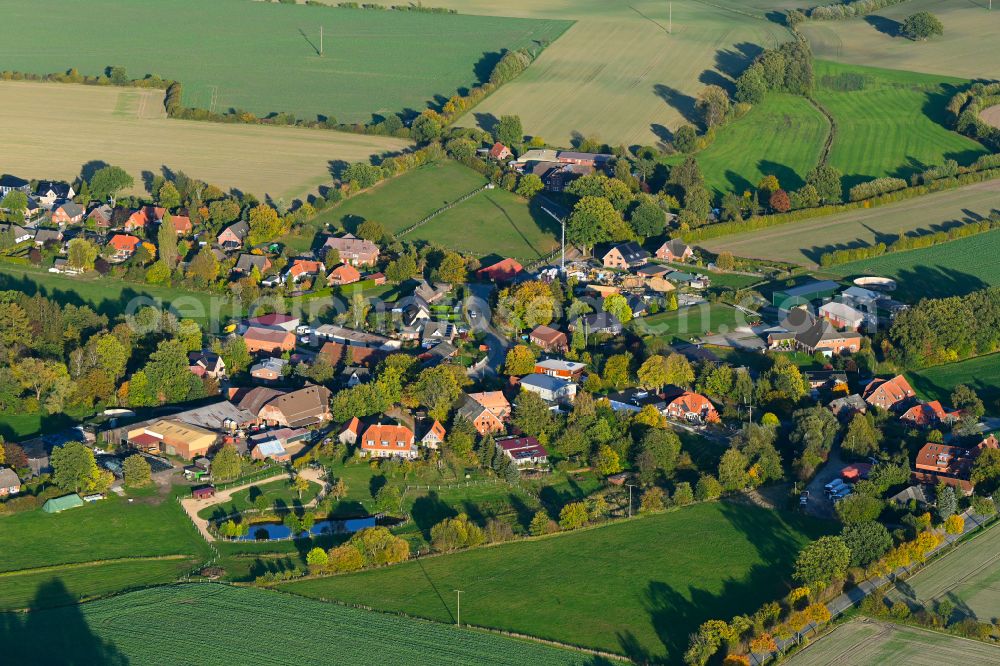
391, 435
505, 269
124, 242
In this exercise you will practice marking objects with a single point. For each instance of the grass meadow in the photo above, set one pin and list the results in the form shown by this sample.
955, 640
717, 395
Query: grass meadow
623, 72
264, 58
63, 129
981, 373
637, 588
875, 39
950, 269
804, 242
684, 323
218, 623
870, 643
491, 222
969, 576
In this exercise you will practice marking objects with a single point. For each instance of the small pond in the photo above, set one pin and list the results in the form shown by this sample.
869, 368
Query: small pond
272, 531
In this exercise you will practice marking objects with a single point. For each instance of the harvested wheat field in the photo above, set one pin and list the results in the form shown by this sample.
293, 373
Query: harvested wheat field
62, 127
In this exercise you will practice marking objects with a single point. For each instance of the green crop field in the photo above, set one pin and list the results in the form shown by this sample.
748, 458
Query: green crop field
682, 324
491, 222
88, 548
783, 136
969, 576
637, 588
981, 373
264, 57
869, 643
62, 128
803, 242
622, 72
214, 624
959, 52
889, 123
950, 269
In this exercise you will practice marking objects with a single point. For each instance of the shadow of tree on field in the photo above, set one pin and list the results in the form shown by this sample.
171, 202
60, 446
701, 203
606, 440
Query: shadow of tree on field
732, 61
786, 175
429, 510
487, 121
683, 103
710, 77
88, 170
886, 26
59, 635
485, 65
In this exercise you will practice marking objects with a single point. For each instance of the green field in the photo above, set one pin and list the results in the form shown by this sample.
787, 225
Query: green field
683, 324
981, 373
216, 624
803, 242
113, 297
280, 493
491, 222
782, 136
80, 546
263, 57
637, 588
869, 643
950, 269
969, 576
622, 72
960, 51
893, 125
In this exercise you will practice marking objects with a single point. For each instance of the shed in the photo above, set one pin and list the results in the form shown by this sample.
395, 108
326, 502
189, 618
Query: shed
57, 504
203, 492
856, 471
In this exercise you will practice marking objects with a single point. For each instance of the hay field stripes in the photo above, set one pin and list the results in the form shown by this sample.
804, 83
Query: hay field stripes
968, 26
803, 242
61, 127
870, 643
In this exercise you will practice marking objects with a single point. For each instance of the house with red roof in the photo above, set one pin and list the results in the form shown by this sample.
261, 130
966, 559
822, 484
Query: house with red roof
692, 407
523, 451
499, 152
548, 339
434, 437
343, 274
502, 271
487, 411
124, 246
888, 393
353, 250
350, 432
303, 268
143, 217
388, 441
268, 340
182, 224
927, 414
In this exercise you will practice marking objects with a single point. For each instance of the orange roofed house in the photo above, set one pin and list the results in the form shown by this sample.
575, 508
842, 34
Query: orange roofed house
352, 250
343, 274
692, 407
888, 393
502, 271
388, 441
950, 465
499, 152
124, 246
926, 414
143, 217
301, 268
269, 340
487, 412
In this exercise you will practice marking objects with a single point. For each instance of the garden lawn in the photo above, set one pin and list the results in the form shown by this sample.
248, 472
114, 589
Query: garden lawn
981, 373
213, 624
278, 493
16, 426
951, 269
637, 588
47, 588
264, 57
104, 530
685, 323
889, 123
782, 136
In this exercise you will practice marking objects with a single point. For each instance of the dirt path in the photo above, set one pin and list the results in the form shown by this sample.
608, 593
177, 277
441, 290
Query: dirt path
192, 506
991, 116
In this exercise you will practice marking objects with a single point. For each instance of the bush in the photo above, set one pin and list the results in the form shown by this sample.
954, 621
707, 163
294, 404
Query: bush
874, 188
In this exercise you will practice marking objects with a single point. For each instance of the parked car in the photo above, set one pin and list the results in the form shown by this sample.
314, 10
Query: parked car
804, 498
834, 485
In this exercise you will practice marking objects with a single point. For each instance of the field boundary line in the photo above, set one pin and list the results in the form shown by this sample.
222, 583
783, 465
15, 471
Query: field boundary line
465, 197
94, 563
824, 155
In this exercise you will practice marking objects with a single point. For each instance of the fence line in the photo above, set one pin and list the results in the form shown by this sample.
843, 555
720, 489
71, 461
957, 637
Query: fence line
464, 197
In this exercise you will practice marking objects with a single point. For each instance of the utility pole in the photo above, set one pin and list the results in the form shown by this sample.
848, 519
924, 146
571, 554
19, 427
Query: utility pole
630, 487
321, 41
670, 29
458, 618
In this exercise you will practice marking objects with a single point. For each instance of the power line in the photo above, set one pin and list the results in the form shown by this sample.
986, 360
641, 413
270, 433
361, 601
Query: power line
458, 618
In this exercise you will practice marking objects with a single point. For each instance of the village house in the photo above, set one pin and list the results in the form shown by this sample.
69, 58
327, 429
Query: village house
888, 393
388, 441
523, 451
625, 255
431, 293
305, 268
268, 340
144, 217
343, 274
17, 233
124, 246
270, 449
655, 278
10, 484
674, 250
549, 388
349, 433
9, 183
48, 192
269, 369
48, 237
487, 412
182, 224
352, 250
845, 408
842, 315
828, 379
434, 437
548, 339
499, 152
233, 236
206, 363
634, 399
950, 465
928, 414
597, 322
692, 407
504, 270
804, 332
433, 332
101, 217
247, 262
296, 409
569, 370
67, 213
